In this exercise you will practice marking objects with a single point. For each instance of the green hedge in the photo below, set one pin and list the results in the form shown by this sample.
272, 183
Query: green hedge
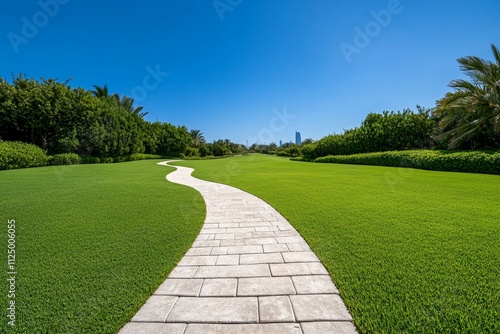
134, 157
65, 159
15, 155
487, 162
21, 155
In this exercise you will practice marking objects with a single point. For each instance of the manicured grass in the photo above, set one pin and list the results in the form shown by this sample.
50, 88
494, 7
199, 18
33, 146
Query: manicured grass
411, 251
93, 242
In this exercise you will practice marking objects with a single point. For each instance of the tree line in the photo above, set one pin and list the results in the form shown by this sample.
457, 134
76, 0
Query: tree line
466, 119
61, 119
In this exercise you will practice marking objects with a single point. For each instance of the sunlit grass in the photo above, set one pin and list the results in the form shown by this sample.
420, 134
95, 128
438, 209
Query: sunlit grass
411, 251
93, 242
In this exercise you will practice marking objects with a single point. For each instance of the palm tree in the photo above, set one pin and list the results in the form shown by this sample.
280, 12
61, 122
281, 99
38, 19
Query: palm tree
471, 114
100, 92
198, 138
125, 102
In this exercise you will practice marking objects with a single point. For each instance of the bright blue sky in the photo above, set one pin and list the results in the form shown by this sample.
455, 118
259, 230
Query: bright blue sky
230, 74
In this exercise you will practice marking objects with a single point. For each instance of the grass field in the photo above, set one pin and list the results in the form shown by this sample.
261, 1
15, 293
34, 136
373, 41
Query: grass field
92, 242
411, 251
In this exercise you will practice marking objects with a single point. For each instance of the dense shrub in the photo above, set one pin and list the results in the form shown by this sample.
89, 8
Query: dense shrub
65, 159
388, 131
468, 161
20, 155
292, 151
136, 156
207, 157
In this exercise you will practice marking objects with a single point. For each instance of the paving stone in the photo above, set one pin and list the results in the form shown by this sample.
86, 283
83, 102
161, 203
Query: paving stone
219, 251
183, 272
338, 327
247, 235
267, 234
228, 260
207, 226
290, 269
198, 261
153, 328
262, 229
226, 225
212, 230
210, 243
261, 258
265, 286
256, 224
268, 216
319, 308
238, 242
320, 284
252, 270
276, 248
224, 236
243, 329
199, 251
202, 237
261, 241
298, 247
156, 309
289, 240
317, 268
288, 233
219, 287
219, 310
240, 230
254, 249
180, 287
300, 257
275, 309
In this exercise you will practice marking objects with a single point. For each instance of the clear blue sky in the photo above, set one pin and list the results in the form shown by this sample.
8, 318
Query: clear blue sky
233, 65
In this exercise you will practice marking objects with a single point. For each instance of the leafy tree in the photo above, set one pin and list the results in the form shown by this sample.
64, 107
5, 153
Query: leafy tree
380, 132
470, 116
307, 141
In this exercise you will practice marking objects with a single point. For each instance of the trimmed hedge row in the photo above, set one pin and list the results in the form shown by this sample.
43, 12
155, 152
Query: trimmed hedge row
14, 155
65, 159
450, 161
21, 155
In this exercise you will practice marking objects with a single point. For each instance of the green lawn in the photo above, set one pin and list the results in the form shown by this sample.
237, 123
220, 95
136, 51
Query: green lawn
411, 251
93, 242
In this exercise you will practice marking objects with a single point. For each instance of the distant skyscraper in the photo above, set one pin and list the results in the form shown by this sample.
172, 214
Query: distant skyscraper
298, 139
281, 143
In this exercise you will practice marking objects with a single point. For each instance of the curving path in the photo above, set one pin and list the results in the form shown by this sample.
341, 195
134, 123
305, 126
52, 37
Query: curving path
248, 272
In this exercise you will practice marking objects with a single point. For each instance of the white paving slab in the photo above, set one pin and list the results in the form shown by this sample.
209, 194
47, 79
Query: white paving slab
248, 272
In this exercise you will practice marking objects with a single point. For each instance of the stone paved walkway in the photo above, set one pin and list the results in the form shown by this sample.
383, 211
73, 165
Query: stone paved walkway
248, 272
